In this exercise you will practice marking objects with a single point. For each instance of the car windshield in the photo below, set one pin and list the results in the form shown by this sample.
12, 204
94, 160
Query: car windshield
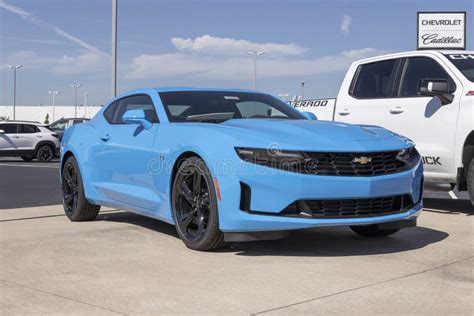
463, 62
219, 106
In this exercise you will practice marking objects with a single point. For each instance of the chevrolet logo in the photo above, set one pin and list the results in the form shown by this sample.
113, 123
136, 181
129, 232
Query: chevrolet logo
362, 160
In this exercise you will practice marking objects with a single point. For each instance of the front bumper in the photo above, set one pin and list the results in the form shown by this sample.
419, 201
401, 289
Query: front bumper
273, 190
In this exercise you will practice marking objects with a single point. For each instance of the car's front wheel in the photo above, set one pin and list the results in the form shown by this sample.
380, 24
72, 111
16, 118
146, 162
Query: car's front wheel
75, 204
194, 206
373, 231
45, 153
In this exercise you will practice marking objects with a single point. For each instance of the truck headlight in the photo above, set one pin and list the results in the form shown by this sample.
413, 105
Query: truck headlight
409, 155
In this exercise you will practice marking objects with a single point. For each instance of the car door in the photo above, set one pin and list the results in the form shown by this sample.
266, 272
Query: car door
125, 154
8, 138
370, 94
424, 119
28, 136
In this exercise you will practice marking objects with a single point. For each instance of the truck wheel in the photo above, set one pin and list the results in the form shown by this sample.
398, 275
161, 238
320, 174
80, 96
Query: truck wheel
373, 231
470, 180
75, 204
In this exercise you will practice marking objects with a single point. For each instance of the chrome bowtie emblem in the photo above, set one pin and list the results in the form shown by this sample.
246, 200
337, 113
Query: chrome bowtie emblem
362, 160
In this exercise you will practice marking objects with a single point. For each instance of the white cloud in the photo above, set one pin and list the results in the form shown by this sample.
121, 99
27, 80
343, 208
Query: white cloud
33, 19
61, 65
228, 46
346, 24
236, 68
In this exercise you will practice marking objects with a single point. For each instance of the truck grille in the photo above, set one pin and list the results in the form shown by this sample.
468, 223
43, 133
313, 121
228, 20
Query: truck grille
347, 208
353, 164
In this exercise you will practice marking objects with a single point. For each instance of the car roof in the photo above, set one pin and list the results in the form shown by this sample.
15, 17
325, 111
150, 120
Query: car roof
415, 52
177, 89
22, 122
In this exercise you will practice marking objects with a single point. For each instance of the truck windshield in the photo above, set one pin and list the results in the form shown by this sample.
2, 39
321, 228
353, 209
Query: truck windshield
219, 106
463, 62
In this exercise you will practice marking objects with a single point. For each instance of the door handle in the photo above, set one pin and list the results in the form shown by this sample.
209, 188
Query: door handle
397, 110
15, 136
105, 137
345, 112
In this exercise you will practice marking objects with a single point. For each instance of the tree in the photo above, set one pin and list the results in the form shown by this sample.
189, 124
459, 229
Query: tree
46, 119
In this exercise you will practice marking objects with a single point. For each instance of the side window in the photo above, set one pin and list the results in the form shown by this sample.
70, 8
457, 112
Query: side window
9, 128
109, 113
59, 126
375, 80
136, 102
418, 68
28, 129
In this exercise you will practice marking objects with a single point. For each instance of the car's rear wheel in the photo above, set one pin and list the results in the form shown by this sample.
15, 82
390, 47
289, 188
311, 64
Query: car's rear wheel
27, 158
45, 153
75, 204
194, 204
373, 231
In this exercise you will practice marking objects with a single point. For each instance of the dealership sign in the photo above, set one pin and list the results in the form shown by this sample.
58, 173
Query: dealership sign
441, 30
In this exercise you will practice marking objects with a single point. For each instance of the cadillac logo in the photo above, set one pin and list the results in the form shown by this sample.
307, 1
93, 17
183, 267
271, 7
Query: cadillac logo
362, 160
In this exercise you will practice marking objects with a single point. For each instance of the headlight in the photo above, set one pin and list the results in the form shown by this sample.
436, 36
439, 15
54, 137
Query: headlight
283, 159
409, 155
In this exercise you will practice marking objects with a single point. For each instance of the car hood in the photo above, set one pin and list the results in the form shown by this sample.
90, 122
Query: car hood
307, 129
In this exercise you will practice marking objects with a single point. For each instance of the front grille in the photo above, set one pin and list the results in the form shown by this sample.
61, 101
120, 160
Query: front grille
354, 164
347, 208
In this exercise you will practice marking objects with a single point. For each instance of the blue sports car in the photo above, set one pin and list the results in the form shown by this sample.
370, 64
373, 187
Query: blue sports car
237, 165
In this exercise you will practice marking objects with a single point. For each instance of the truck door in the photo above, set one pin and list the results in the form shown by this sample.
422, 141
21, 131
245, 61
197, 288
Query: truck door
370, 94
424, 119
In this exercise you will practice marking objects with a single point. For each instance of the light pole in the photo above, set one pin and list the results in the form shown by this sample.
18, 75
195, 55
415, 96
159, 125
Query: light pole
114, 47
53, 93
85, 104
75, 86
14, 68
302, 90
256, 54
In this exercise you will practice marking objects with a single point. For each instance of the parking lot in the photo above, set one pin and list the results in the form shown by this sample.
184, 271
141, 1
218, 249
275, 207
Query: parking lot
128, 264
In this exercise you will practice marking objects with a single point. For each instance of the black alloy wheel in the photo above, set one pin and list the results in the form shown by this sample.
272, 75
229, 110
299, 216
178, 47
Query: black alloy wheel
194, 205
76, 206
45, 153
70, 187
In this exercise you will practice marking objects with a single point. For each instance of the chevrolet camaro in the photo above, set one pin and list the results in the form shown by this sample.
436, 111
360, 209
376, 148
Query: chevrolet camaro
237, 165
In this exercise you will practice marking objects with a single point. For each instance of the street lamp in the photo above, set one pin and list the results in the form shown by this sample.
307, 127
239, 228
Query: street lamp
302, 90
14, 68
53, 93
75, 87
256, 54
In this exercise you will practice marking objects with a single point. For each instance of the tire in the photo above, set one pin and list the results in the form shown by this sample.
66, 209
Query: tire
373, 231
194, 205
75, 204
470, 181
45, 153
27, 158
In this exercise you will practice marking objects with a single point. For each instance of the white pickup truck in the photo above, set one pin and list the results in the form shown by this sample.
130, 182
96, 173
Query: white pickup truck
426, 95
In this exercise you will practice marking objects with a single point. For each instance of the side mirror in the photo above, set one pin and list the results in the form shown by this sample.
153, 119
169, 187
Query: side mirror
435, 88
2, 131
310, 116
137, 117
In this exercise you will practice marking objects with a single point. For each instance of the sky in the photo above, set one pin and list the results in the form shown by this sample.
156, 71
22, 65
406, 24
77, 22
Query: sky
199, 44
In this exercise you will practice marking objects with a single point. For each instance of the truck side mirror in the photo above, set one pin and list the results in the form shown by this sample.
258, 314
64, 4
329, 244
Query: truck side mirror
435, 88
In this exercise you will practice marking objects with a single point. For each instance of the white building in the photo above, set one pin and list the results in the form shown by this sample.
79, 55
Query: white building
38, 113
